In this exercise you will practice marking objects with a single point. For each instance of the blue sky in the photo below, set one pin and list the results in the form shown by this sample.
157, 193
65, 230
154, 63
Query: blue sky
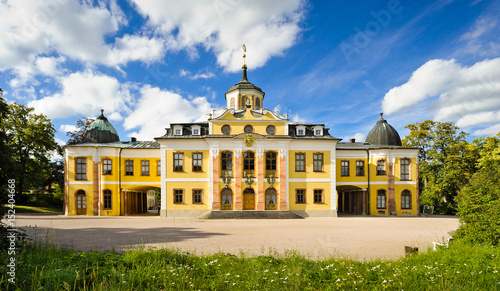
341, 63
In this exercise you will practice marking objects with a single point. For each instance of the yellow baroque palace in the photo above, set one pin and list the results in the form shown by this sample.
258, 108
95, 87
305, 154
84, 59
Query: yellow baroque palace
243, 158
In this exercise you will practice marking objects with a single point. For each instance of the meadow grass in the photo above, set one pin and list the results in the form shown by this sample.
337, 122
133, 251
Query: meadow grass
37, 209
462, 266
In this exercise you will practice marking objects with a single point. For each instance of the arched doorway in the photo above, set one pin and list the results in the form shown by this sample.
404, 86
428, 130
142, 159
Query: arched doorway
248, 199
271, 199
353, 200
226, 199
81, 202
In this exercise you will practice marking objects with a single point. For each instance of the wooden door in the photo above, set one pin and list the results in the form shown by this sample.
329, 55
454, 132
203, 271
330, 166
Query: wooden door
248, 201
81, 203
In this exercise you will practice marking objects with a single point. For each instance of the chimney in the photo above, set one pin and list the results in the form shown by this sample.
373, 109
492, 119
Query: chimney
133, 139
353, 140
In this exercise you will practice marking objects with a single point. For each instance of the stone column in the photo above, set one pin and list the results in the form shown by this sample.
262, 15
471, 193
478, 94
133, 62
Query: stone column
283, 181
261, 203
215, 182
391, 195
238, 205
96, 182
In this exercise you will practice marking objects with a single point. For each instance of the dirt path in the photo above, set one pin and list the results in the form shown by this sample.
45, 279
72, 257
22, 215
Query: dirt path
361, 238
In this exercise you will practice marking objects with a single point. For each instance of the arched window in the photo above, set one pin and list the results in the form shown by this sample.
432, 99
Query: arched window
257, 103
107, 199
81, 202
226, 164
381, 199
231, 103
406, 199
271, 163
271, 199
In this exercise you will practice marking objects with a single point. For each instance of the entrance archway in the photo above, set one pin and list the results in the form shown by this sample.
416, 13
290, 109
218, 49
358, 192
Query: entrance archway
226, 199
249, 199
353, 200
271, 199
81, 202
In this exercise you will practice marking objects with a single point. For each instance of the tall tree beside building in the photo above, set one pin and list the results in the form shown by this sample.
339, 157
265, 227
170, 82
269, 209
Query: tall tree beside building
31, 140
447, 161
5, 155
76, 136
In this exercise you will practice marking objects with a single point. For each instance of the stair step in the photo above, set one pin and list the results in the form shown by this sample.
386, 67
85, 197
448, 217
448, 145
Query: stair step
250, 214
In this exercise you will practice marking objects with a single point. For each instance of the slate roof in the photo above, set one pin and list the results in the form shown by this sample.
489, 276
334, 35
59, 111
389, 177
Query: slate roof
244, 83
100, 131
122, 144
383, 134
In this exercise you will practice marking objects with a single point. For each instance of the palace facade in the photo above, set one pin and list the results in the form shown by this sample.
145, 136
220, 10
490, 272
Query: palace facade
244, 157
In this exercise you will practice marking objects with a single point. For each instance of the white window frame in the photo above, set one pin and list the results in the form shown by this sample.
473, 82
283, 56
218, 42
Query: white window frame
301, 128
316, 128
194, 128
177, 129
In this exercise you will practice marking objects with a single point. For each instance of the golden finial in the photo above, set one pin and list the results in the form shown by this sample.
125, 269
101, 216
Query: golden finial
244, 55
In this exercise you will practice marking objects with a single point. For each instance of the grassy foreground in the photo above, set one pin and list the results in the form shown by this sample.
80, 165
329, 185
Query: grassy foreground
44, 267
36, 209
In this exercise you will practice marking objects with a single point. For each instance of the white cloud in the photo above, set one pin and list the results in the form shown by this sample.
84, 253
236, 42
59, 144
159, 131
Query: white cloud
468, 95
489, 131
297, 118
266, 27
85, 93
67, 128
156, 108
200, 75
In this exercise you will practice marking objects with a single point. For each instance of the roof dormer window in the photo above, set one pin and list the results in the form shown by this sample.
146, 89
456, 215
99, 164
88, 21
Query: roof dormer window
177, 129
301, 130
195, 129
318, 130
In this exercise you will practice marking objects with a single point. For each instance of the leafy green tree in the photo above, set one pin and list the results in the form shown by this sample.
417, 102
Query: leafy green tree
446, 162
479, 201
32, 142
76, 136
5, 155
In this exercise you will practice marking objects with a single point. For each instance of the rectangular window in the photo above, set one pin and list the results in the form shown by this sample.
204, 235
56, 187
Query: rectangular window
344, 168
226, 164
318, 196
360, 168
300, 132
318, 132
197, 196
406, 199
106, 167
196, 132
129, 168
197, 160
158, 167
145, 168
81, 169
318, 162
270, 163
248, 161
300, 162
381, 199
405, 169
107, 199
178, 162
178, 196
300, 196
381, 168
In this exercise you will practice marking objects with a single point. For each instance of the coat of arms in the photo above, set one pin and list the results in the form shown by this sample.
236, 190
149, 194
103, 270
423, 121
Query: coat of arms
249, 139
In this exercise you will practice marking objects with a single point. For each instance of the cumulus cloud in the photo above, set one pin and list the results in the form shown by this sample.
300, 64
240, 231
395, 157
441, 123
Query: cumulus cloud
468, 95
156, 108
200, 75
266, 27
85, 93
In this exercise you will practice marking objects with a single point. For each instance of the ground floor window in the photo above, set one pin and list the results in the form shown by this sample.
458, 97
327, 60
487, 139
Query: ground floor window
197, 196
81, 202
300, 196
226, 199
107, 199
381, 199
271, 199
406, 199
318, 196
178, 196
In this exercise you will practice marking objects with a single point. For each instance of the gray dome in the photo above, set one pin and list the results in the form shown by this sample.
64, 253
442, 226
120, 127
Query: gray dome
383, 134
100, 131
244, 83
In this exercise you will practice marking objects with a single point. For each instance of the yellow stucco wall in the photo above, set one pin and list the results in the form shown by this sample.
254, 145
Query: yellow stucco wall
309, 187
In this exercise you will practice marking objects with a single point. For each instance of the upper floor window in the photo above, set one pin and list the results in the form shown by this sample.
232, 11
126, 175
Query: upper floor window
145, 168
381, 167
107, 199
226, 163
177, 129
406, 199
129, 168
196, 131
226, 129
257, 103
271, 129
318, 130
231, 103
248, 129
197, 162
360, 168
318, 162
301, 130
178, 162
158, 167
106, 167
248, 161
300, 162
344, 168
381, 199
81, 168
270, 161
405, 169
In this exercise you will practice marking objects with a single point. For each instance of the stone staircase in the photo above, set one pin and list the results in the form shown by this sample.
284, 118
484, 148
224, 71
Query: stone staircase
250, 214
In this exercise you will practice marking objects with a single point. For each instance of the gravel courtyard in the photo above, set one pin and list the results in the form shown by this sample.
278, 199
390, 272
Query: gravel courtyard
360, 238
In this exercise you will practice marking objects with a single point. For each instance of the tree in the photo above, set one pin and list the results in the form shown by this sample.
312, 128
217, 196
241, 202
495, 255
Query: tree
5, 155
76, 136
479, 201
446, 162
31, 141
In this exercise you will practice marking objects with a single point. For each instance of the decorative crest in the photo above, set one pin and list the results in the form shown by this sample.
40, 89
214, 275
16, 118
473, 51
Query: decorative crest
249, 139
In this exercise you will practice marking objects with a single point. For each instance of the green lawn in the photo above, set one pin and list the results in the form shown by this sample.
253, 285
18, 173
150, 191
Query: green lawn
43, 267
36, 209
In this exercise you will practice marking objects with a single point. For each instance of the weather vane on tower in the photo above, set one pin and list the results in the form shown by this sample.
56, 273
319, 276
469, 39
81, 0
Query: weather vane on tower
244, 51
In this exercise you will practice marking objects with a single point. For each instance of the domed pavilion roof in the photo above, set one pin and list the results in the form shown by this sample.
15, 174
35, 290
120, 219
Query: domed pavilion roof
383, 134
100, 131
